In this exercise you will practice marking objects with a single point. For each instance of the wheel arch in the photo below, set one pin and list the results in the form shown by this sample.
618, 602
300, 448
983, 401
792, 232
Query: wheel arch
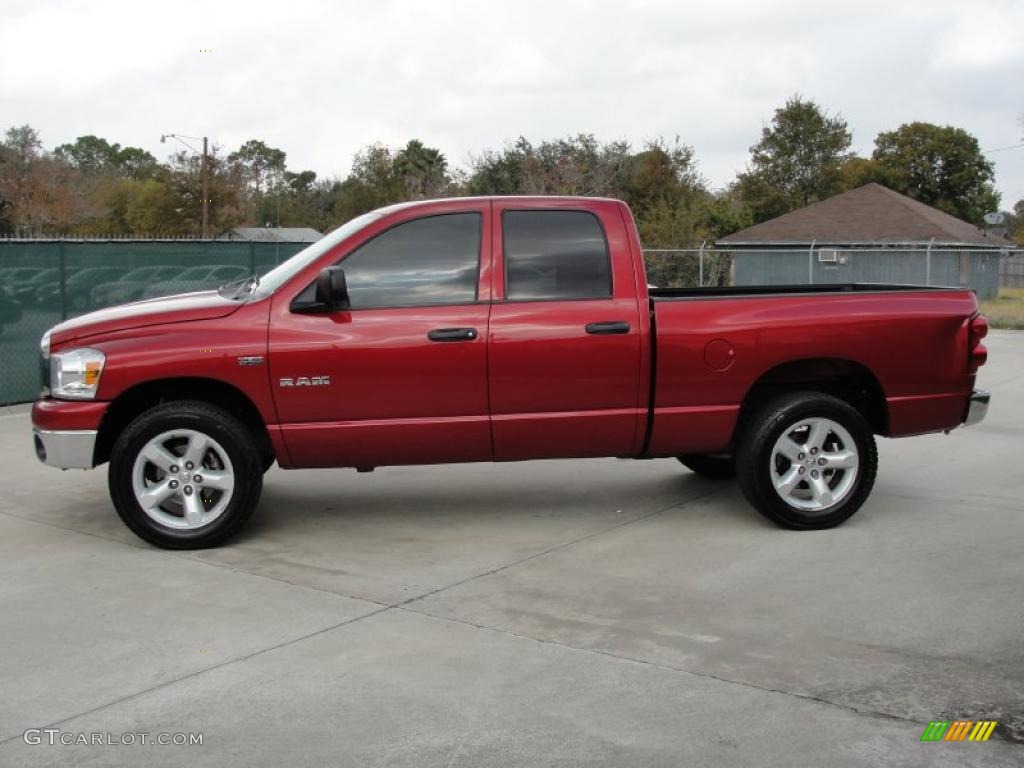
133, 401
840, 377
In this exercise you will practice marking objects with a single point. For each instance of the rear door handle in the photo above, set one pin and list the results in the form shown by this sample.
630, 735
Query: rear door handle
608, 327
452, 334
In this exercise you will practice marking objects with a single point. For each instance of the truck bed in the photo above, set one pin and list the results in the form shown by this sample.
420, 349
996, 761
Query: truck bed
909, 341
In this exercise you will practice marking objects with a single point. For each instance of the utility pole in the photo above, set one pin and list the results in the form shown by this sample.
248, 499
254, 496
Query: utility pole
206, 191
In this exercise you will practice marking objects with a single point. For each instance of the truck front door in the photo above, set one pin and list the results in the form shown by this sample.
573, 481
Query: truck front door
401, 377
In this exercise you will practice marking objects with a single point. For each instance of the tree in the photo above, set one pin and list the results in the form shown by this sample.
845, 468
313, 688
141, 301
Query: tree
941, 166
225, 184
6, 207
666, 193
797, 161
97, 177
297, 201
301, 182
39, 191
137, 207
423, 170
20, 153
858, 171
23, 141
726, 213
311, 205
136, 163
261, 167
89, 154
373, 182
499, 173
6, 225
1015, 228
578, 165
93, 155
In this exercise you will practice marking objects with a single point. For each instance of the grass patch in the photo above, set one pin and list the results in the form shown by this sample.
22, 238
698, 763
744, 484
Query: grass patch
1006, 310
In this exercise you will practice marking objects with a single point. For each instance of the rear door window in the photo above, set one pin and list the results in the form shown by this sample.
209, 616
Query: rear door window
555, 255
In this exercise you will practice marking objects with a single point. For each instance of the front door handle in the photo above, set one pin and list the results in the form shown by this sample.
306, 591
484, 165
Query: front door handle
452, 334
608, 327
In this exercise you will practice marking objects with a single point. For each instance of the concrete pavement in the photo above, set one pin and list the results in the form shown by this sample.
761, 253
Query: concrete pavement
549, 613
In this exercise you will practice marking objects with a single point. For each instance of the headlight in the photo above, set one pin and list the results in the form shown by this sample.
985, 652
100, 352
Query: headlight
75, 374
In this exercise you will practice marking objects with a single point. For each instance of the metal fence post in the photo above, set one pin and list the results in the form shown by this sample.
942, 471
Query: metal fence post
928, 263
62, 280
700, 260
810, 263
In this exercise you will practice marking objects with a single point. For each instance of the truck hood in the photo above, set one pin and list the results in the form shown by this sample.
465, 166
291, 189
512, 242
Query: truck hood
202, 305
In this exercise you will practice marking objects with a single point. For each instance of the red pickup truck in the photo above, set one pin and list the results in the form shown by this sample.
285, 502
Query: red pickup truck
498, 329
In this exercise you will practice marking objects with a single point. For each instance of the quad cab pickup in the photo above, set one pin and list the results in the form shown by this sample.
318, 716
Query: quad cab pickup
498, 329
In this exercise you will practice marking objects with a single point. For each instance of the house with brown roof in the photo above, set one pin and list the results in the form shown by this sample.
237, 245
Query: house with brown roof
870, 234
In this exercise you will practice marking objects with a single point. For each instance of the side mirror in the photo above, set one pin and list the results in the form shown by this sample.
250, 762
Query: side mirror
332, 289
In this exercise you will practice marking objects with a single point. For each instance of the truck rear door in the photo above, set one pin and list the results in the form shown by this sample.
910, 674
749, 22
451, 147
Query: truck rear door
565, 337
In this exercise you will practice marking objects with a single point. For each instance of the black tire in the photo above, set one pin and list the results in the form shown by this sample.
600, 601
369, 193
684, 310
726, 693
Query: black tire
714, 465
210, 420
754, 461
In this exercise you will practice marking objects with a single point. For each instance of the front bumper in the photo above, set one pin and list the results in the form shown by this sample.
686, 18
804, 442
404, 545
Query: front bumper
64, 431
67, 449
977, 407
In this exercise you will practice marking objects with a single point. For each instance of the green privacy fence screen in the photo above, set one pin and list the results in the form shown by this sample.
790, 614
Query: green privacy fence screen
45, 281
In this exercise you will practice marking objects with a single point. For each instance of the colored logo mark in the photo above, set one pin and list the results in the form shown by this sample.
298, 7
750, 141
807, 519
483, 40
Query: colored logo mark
958, 730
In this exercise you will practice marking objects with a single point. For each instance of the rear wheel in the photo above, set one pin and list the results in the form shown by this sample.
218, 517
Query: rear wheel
807, 460
185, 475
716, 465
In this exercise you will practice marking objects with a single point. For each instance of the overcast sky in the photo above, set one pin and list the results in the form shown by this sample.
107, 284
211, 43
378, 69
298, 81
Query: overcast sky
321, 79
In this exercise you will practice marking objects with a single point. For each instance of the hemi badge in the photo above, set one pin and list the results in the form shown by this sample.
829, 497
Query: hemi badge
253, 360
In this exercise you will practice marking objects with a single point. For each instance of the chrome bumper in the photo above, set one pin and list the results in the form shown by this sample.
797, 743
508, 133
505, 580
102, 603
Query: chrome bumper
67, 449
977, 407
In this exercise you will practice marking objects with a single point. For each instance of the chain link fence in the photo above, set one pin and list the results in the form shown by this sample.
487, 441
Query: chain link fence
687, 267
43, 282
983, 270
1011, 270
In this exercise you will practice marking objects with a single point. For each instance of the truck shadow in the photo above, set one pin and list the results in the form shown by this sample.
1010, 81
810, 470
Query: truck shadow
294, 499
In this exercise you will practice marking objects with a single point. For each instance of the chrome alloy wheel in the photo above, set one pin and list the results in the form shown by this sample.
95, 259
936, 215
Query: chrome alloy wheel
183, 479
814, 464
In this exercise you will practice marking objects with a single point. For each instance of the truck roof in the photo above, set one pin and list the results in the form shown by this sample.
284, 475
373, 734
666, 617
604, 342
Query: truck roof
520, 198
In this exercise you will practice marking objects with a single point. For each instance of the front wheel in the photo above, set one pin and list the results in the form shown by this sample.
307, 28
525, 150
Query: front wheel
185, 475
807, 460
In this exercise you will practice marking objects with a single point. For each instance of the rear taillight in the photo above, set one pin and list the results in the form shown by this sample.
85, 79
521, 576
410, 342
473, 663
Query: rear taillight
977, 354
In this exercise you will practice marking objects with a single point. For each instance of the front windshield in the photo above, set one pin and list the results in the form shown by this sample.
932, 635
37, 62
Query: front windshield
283, 272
